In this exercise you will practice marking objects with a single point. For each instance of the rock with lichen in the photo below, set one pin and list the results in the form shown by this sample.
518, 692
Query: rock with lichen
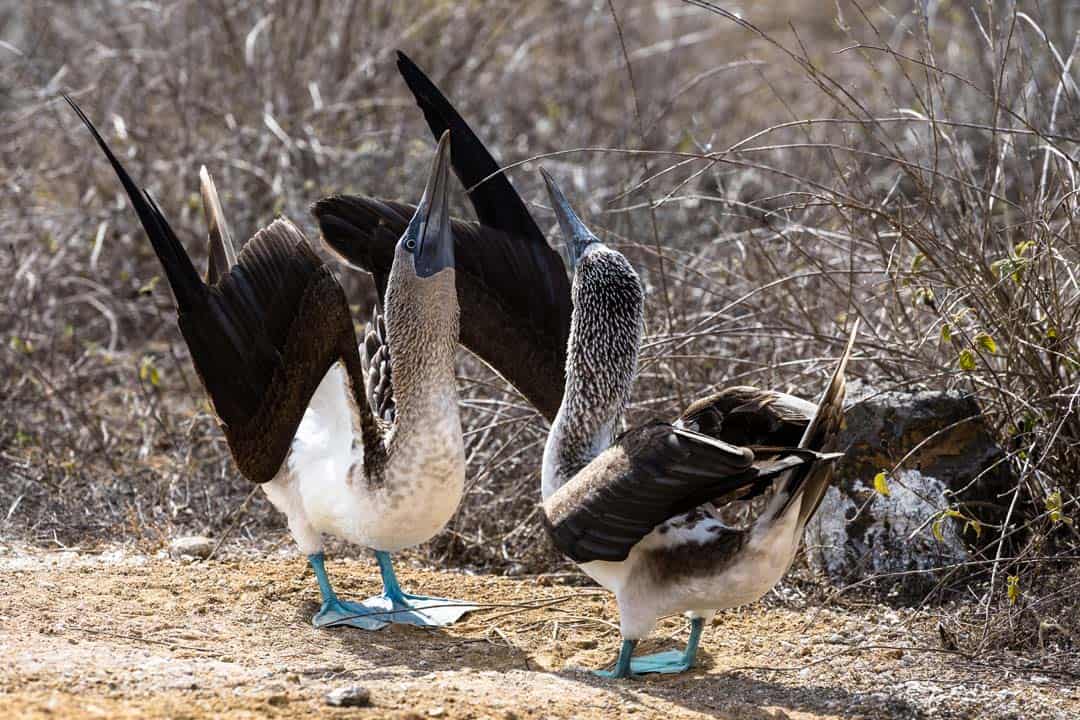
921, 472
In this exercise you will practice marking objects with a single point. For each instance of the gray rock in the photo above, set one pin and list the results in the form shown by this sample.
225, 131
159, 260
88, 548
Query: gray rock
194, 546
859, 532
349, 696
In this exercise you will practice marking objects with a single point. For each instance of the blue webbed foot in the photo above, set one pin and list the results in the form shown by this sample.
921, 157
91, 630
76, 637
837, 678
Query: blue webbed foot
666, 663
419, 610
336, 613
392, 606
398, 606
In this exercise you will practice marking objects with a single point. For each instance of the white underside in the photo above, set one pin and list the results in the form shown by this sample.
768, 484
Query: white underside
644, 595
321, 487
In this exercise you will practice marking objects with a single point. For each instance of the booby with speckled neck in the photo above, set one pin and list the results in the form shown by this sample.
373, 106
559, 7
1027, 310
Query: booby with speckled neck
642, 513
271, 336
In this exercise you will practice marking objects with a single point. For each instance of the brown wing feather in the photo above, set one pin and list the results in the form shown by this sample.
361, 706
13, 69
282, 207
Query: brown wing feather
514, 296
744, 415
262, 342
651, 474
823, 429
262, 337
512, 287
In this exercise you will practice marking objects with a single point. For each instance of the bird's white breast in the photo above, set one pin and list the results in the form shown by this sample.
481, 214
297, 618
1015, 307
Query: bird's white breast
322, 487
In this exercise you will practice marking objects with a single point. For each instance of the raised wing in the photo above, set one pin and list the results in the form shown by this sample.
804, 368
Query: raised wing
512, 287
496, 202
262, 337
651, 474
521, 339
221, 255
821, 433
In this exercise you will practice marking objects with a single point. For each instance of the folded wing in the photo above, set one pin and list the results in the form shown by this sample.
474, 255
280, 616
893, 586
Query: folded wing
650, 475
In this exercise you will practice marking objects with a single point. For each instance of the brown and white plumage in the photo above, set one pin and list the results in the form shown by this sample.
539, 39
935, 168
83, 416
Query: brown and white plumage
642, 513
271, 337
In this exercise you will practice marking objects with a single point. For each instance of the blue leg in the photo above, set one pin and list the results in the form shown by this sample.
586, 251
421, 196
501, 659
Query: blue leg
403, 607
669, 662
622, 665
335, 611
672, 661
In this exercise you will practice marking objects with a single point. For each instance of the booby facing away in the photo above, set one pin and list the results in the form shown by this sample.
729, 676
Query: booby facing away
272, 339
512, 289
641, 513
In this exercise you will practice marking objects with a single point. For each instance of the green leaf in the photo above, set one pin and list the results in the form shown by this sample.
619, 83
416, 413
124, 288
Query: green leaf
1012, 588
1056, 507
148, 372
946, 333
1022, 247
986, 342
881, 484
967, 360
938, 528
149, 285
917, 262
1011, 266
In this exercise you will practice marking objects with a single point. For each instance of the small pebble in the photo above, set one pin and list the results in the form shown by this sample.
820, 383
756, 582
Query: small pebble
195, 546
436, 712
349, 696
585, 644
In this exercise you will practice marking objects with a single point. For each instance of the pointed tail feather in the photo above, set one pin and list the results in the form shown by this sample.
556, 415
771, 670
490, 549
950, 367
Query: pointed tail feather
186, 285
222, 252
823, 428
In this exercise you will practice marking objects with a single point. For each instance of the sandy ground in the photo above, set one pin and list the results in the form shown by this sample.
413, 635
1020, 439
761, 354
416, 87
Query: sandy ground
119, 635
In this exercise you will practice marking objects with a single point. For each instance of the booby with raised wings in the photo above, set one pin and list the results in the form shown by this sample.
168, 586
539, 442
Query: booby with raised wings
271, 336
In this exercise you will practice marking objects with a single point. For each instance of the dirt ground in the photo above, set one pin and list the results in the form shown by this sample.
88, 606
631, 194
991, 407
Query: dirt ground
116, 634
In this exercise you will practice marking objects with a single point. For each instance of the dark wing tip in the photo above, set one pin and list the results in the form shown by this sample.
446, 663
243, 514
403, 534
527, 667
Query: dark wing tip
186, 285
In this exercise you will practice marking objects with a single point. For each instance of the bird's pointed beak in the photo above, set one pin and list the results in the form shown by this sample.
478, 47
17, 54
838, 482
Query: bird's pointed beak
577, 237
429, 236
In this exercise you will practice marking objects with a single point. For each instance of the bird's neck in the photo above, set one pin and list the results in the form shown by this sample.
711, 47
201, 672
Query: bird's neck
575, 439
600, 366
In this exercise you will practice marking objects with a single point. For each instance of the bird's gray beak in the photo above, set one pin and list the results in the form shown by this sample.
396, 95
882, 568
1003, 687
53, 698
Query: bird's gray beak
429, 237
577, 237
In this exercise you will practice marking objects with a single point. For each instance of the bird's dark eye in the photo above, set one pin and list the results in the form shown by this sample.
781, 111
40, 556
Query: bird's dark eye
410, 244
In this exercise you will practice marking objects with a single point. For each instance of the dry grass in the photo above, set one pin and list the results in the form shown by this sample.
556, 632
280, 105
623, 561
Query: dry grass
772, 175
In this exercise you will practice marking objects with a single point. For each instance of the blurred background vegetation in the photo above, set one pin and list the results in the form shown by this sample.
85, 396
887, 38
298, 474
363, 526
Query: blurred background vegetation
772, 168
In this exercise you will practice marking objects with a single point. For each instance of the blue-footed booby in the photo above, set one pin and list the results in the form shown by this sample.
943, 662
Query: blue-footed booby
641, 512
271, 336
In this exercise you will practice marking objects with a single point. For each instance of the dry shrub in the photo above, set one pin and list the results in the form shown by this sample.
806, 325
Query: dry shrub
772, 175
